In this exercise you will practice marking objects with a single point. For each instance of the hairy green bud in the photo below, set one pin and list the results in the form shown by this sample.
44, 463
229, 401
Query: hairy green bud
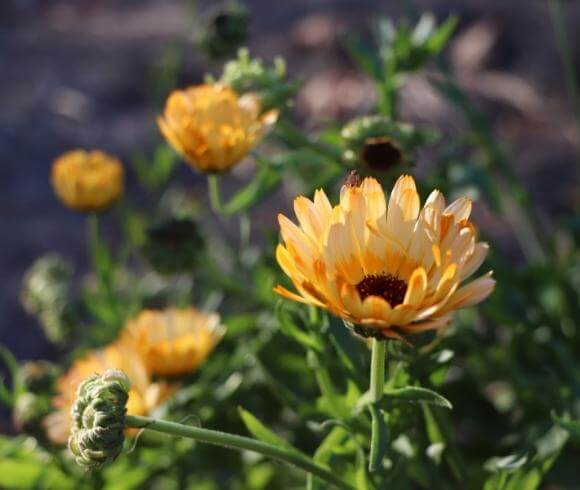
99, 419
246, 74
46, 295
380, 144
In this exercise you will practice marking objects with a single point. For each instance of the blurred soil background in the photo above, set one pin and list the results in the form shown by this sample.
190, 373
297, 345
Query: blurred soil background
86, 74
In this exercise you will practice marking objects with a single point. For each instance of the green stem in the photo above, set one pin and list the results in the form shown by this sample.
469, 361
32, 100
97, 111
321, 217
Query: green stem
215, 199
377, 388
101, 266
233, 441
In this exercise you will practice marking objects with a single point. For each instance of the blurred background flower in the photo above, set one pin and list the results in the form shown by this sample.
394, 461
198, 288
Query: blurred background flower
87, 180
173, 341
145, 395
212, 127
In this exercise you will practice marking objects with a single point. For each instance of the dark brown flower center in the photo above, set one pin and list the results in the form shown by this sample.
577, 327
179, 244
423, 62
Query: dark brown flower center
381, 154
386, 286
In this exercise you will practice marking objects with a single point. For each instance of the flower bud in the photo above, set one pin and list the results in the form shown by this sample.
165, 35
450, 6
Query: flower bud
28, 412
380, 144
226, 29
38, 376
173, 246
99, 418
270, 83
46, 295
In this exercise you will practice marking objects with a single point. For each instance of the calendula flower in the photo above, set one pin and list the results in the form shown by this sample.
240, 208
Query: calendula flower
173, 341
386, 266
212, 127
144, 395
87, 180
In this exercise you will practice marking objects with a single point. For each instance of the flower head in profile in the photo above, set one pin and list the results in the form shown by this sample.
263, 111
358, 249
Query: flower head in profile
212, 127
173, 341
87, 180
381, 262
144, 395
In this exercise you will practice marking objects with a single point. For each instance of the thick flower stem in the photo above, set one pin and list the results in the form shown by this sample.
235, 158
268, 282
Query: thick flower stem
238, 442
377, 387
215, 199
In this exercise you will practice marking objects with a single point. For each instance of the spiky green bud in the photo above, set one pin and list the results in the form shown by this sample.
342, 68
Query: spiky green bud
99, 419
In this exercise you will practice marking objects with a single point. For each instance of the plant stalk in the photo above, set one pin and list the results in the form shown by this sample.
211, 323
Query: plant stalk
377, 387
233, 441
215, 199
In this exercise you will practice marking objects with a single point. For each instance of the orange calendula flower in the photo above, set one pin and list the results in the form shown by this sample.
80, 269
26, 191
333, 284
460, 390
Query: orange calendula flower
144, 395
87, 180
212, 127
386, 265
173, 341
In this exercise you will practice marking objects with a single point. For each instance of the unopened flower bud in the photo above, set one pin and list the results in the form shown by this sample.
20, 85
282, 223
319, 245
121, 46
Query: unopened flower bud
226, 30
173, 246
29, 410
99, 419
46, 295
380, 144
38, 376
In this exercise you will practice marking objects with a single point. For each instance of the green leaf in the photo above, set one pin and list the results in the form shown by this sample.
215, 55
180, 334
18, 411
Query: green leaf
409, 394
509, 464
364, 57
261, 432
440, 430
571, 426
438, 40
289, 325
521, 474
328, 447
264, 183
361, 475
417, 394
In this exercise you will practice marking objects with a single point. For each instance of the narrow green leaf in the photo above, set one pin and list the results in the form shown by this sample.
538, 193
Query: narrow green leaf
417, 394
364, 57
437, 41
265, 182
409, 394
571, 426
261, 432
290, 327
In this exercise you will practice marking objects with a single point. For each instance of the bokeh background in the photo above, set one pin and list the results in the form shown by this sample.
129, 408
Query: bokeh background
93, 74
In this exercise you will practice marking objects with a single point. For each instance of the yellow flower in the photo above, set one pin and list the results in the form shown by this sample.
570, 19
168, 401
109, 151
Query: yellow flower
87, 180
387, 268
173, 341
212, 127
144, 395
